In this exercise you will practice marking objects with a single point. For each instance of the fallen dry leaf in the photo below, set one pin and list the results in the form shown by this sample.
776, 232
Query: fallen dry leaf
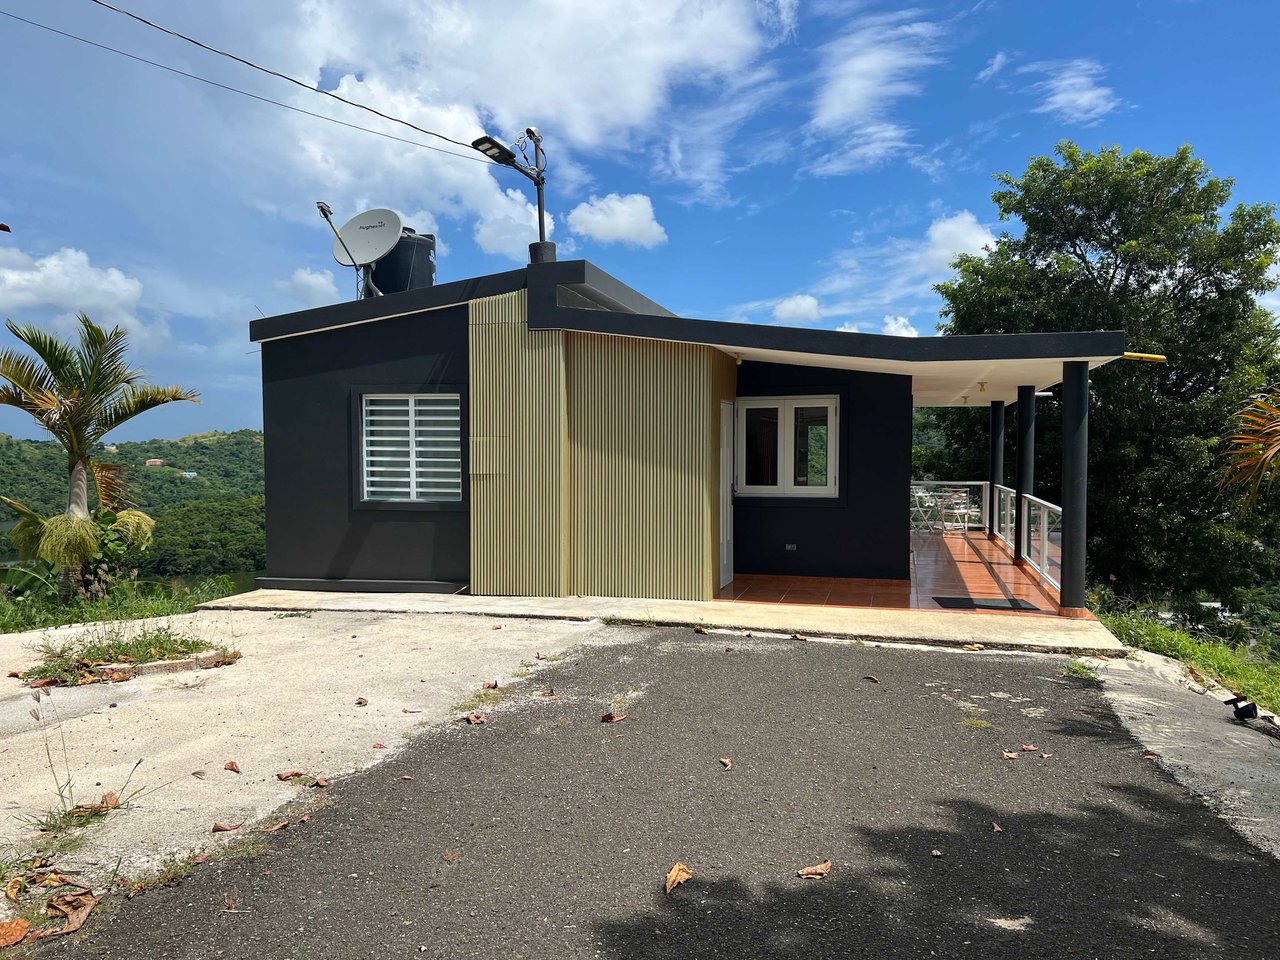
677, 875
46, 682
232, 766
203, 858
729, 649
473, 719
14, 887
320, 782
13, 931
225, 827
75, 906
1010, 755
816, 872
15, 674
199, 774
376, 746
996, 828
406, 777
449, 857
305, 818
549, 692
935, 853
276, 827
491, 685
613, 717
700, 629
540, 655
726, 763
798, 636
973, 646
871, 678
1196, 675
290, 774
497, 626
1149, 756
361, 702
407, 710
1045, 756
1030, 747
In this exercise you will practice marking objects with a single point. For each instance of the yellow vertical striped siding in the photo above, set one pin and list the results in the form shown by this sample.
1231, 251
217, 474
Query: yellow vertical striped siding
724, 386
643, 422
518, 451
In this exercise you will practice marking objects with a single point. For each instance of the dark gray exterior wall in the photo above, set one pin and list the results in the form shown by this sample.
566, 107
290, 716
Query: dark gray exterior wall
317, 529
865, 532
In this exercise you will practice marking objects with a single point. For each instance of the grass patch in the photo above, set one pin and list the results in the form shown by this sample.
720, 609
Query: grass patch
612, 621
71, 661
974, 720
290, 614
481, 700
1075, 670
1233, 667
139, 600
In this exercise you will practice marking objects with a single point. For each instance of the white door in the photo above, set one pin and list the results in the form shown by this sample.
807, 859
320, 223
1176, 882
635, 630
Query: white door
726, 492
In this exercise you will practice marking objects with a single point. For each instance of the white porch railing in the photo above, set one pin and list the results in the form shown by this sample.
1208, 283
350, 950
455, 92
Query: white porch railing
962, 505
1042, 538
1006, 498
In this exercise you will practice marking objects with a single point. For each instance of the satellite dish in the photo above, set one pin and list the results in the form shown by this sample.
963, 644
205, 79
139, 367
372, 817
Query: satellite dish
367, 237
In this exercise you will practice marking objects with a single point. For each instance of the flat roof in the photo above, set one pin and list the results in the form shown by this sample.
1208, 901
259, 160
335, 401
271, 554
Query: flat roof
576, 295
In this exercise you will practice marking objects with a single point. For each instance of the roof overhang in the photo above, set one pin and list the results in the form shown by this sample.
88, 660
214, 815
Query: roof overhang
578, 296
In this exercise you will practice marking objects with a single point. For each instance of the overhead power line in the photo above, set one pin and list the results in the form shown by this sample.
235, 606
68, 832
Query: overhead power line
244, 93
276, 73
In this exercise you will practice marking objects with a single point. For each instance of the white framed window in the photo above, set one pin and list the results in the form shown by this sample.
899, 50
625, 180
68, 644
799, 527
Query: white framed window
411, 447
787, 447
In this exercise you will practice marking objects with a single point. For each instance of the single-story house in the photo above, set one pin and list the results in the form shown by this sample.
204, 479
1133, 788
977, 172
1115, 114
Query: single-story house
550, 431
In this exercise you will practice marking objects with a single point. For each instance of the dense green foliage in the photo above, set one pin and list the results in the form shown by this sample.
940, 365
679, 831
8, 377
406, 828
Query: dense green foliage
226, 464
1235, 666
1138, 243
72, 661
204, 536
125, 601
208, 524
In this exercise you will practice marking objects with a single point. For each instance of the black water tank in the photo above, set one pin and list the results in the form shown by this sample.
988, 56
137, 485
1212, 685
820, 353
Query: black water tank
410, 264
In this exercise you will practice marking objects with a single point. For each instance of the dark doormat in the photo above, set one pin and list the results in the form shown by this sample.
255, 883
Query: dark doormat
984, 603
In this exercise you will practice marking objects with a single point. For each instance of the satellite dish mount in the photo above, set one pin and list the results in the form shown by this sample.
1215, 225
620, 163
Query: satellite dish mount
364, 240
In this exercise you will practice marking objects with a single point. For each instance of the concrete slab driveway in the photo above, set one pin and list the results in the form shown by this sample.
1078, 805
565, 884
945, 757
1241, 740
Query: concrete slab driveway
547, 833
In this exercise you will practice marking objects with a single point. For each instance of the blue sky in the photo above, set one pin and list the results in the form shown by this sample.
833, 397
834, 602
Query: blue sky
815, 163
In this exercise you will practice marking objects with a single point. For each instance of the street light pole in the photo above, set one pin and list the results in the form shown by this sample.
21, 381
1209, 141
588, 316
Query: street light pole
501, 154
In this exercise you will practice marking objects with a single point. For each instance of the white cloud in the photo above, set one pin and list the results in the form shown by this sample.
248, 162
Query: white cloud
616, 218
315, 288
877, 284
898, 327
65, 283
863, 74
1071, 91
994, 66
800, 308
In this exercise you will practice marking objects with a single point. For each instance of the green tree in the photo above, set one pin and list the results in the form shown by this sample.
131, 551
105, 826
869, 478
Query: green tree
79, 392
1136, 242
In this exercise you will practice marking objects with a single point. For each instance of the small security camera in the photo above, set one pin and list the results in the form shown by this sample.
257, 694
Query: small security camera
533, 134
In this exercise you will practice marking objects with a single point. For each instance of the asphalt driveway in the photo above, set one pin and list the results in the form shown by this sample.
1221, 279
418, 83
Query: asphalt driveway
547, 833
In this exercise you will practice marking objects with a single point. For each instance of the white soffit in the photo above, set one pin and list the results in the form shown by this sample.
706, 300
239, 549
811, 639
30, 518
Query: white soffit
938, 383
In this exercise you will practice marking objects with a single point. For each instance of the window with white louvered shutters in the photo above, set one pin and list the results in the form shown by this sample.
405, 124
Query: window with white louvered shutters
412, 447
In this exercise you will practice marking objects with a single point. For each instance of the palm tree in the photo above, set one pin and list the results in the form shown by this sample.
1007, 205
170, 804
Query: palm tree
1253, 450
79, 393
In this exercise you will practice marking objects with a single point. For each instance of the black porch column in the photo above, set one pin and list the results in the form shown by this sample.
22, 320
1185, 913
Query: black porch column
995, 463
1075, 479
1026, 460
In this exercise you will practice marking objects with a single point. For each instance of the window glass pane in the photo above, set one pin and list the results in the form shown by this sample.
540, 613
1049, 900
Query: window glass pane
811, 447
761, 447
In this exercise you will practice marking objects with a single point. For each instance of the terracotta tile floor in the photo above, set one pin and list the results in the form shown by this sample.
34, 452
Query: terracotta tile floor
942, 565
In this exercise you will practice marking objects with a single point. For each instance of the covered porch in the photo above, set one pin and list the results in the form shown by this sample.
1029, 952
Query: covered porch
954, 570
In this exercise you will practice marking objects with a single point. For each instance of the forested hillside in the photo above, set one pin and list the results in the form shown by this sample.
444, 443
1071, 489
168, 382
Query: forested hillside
206, 524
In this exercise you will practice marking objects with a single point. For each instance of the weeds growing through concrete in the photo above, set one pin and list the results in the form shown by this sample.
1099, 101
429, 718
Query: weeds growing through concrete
72, 660
1075, 670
